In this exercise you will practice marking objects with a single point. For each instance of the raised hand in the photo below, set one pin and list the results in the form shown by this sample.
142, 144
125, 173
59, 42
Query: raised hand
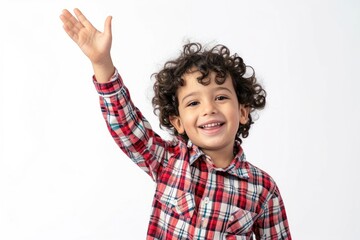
95, 45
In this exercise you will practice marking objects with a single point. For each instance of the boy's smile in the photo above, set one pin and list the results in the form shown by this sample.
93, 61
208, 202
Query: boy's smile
210, 116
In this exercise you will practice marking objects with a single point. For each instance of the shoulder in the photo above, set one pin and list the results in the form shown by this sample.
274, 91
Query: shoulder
260, 178
176, 149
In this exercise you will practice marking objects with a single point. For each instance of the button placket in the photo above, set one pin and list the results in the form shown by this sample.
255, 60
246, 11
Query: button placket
206, 208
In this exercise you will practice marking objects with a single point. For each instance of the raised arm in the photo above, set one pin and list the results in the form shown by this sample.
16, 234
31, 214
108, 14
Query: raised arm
95, 45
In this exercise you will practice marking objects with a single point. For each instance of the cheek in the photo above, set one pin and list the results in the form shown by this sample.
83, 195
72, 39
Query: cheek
189, 120
235, 114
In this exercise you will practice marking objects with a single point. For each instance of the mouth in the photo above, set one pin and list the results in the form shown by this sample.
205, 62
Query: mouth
211, 125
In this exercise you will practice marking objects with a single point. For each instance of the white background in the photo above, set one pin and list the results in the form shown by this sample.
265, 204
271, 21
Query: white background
61, 175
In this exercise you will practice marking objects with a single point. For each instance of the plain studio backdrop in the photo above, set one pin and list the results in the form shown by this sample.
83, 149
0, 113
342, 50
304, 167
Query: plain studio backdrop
63, 177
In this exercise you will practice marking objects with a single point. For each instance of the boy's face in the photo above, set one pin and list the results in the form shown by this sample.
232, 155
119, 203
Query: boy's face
209, 114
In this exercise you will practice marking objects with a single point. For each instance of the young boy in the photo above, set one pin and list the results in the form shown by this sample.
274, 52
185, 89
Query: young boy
205, 188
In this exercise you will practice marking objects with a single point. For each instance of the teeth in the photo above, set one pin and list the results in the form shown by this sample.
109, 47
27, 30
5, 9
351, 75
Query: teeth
211, 125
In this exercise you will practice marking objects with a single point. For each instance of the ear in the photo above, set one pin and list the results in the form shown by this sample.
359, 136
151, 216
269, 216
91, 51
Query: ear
177, 124
244, 114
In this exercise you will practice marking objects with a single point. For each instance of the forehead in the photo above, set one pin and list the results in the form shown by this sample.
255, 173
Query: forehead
192, 85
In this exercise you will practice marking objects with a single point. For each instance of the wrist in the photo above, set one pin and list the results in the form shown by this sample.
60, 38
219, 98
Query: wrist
103, 70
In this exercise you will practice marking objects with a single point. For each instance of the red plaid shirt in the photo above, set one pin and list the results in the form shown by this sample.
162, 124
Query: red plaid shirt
193, 198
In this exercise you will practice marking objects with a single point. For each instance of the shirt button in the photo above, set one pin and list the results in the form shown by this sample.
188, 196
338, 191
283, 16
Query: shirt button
206, 200
203, 225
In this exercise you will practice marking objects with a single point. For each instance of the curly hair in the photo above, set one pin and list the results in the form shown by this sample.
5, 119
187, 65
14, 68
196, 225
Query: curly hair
218, 59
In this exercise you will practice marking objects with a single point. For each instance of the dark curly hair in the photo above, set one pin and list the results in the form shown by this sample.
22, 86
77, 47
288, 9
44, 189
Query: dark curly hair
218, 60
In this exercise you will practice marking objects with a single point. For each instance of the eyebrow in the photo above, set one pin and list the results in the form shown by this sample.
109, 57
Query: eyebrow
219, 88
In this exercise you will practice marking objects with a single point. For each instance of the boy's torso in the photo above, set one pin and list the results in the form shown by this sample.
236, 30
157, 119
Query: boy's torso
196, 200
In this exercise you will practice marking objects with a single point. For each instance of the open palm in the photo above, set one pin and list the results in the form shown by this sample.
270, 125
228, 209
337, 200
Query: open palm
96, 45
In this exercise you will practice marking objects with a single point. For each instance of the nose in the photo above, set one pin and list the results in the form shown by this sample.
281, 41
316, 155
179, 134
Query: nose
209, 108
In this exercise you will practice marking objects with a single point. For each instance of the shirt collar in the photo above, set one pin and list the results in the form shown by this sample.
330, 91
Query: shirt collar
238, 167
195, 152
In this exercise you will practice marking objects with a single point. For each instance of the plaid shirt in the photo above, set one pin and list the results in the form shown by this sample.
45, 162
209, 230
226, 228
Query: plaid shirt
194, 199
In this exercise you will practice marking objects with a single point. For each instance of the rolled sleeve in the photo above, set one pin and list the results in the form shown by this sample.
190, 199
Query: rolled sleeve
110, 88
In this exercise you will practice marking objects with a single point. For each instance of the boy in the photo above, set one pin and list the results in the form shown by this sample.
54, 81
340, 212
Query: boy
205, 187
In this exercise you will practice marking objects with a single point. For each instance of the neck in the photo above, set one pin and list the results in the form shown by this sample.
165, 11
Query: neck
221, 159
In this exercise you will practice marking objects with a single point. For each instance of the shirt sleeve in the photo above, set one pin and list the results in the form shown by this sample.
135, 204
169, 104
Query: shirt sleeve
129, 128
272, 222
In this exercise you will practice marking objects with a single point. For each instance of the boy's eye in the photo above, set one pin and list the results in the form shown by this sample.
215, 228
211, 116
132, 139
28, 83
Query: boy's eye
221, 98
192, 104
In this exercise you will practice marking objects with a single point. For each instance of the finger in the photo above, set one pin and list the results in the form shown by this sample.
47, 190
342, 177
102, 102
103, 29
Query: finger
65, 13
82, 19
67, 18
72, 34
70, 22
107, 26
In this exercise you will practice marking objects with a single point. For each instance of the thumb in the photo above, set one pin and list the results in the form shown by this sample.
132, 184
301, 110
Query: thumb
107, 26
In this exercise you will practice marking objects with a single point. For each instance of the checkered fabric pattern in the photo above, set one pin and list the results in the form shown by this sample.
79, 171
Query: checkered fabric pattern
193, 198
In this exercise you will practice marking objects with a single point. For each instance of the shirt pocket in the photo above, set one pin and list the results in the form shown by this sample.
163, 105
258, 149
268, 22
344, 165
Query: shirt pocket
240, 223
178, 201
